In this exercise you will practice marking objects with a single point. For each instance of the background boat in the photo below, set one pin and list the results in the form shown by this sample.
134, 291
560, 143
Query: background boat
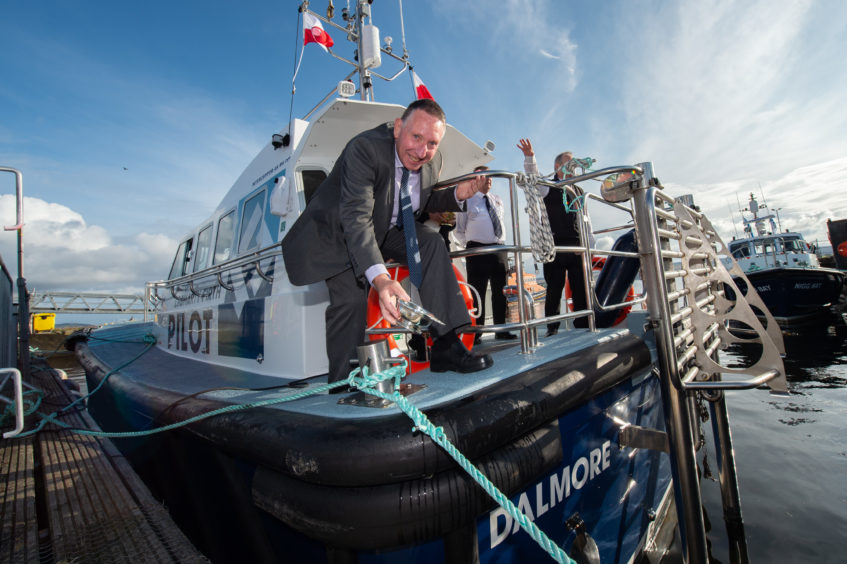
783, 268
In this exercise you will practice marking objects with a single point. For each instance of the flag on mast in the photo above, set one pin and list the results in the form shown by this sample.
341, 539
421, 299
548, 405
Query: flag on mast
313, 32
421, 91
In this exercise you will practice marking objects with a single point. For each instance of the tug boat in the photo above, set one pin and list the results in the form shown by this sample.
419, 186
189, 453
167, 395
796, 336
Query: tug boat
579, 445
784, 268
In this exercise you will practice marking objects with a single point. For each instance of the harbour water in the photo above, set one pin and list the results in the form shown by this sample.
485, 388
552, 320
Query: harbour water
791, 454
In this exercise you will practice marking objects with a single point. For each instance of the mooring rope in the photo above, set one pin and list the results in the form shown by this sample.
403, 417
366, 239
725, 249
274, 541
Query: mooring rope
367, 383
360, 379
540, 234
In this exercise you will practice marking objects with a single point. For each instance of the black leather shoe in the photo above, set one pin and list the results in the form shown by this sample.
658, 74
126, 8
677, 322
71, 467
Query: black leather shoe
551, 332
506, 336
457, 358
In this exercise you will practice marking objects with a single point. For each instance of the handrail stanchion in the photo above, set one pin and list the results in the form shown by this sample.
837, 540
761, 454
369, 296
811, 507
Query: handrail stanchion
23, 297
674, 397
17, 400
730, 491
528, 343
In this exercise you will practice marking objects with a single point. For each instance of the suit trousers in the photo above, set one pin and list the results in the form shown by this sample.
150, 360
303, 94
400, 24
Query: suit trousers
484, 270
564, 266
346, 316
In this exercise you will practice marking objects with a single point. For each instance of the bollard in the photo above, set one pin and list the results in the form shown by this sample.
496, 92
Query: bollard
532, 331
376, 356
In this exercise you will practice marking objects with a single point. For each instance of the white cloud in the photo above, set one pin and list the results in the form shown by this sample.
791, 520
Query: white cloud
514, 27
804, 198
63, 252
711, 90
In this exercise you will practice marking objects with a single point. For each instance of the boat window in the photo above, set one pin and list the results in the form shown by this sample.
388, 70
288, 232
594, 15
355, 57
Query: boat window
223, 245
764, 247
311, 179
794, 245
180, 264
741, 252
251, 223
204, 243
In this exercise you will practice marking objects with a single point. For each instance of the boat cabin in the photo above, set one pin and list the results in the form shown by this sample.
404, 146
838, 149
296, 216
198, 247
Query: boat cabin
785, 249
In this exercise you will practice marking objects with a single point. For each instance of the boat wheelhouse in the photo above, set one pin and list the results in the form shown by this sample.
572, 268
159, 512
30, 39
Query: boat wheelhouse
784, 269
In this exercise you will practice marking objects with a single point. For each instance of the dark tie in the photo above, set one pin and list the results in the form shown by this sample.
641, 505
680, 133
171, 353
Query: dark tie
406, 219
495, 221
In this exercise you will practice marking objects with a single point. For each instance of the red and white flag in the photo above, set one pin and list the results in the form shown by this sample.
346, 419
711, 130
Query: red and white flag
313, 32
421, 91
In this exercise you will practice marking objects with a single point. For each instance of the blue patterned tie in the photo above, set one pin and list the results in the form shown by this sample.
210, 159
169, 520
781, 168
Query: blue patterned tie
406, 219
495, 221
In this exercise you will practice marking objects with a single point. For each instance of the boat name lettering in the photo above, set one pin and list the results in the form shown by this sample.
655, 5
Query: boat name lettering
763, 288
577, 475
807, 285
190, 331
271, 171
206, 295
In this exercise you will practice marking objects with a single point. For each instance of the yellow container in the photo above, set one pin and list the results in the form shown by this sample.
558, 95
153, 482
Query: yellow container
43, 322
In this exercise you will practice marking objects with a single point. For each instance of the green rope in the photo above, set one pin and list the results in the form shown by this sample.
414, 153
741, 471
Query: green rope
30, 406
149, 339
575, 205
367, 384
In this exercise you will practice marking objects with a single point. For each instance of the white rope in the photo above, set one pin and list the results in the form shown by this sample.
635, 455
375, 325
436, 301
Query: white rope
540, 235
474, 312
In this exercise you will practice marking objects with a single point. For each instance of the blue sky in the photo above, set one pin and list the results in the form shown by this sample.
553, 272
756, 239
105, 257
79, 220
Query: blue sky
131, 120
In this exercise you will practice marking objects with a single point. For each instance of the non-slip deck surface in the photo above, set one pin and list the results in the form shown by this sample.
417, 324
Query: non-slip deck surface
73, 498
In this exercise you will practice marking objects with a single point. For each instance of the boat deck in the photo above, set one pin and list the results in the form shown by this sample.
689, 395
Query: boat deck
73, 498
213, 383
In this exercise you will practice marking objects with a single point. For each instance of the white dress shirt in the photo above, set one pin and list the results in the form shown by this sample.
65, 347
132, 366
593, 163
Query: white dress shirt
475, 223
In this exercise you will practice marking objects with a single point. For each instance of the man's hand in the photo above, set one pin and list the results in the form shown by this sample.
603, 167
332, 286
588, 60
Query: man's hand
525, 145
389, 290
467, 188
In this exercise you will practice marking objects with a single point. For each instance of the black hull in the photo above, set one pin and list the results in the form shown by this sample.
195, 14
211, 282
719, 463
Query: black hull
796, 294
347, 485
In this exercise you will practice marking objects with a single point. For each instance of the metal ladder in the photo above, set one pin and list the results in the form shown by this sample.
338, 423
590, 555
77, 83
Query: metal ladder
691, 317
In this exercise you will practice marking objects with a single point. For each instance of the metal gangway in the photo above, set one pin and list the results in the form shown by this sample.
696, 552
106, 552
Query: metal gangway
86, 302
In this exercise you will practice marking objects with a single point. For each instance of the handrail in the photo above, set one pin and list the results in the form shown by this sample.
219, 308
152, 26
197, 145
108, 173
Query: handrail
18, 400
23, 306
19, 187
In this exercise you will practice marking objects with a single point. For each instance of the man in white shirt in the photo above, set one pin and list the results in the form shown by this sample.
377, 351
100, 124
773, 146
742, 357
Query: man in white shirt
480, 226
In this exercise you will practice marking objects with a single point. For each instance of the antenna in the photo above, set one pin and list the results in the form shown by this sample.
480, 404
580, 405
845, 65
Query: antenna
732, 218
762, 193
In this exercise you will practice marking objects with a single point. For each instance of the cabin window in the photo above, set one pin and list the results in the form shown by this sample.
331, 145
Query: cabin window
204, 244
251, 223
180, 264
765, 247
741, 252
794, 245
311, 179
223, 245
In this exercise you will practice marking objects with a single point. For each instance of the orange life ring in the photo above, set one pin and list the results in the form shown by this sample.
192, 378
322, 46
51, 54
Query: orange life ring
376, 320
597, 266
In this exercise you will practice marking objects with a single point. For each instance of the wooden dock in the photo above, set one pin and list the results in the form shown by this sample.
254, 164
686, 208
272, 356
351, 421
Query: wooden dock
74, 498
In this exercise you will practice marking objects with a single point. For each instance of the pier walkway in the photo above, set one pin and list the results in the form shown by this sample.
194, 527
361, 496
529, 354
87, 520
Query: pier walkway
72, 498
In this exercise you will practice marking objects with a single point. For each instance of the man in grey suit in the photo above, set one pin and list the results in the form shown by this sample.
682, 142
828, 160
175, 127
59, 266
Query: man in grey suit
354, 223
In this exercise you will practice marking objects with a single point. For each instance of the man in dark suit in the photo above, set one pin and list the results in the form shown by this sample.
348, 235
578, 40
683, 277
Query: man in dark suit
354, 223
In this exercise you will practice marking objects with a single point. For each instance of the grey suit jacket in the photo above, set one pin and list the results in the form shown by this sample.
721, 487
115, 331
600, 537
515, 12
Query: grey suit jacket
345, 223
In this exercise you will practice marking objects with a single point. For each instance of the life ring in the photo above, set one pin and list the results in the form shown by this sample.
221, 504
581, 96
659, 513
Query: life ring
597, 266
376, 321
